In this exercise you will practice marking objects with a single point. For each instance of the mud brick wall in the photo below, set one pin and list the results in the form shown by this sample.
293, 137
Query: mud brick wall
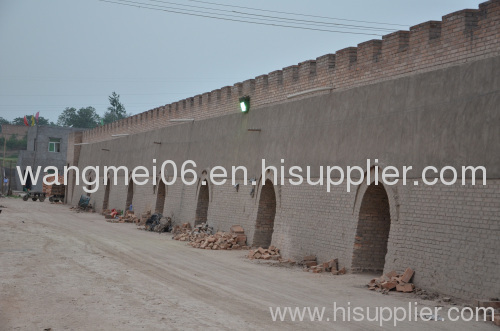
452, 233
428, 96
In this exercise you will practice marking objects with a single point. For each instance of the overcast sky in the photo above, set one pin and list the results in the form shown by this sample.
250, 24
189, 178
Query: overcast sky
74, 53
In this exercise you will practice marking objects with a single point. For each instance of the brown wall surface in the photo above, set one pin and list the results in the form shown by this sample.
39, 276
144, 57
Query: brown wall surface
427, 97
447, 117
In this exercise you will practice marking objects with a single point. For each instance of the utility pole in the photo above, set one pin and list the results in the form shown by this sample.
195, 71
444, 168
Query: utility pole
9, 191
3, 161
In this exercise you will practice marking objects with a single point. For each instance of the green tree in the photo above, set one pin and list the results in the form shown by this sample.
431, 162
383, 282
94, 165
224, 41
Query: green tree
67, 116
81, 118
3, 121
116, 110
13, 143
41, 120
20, 120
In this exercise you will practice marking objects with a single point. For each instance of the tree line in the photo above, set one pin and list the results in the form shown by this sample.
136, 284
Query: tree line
85, 117
14, 143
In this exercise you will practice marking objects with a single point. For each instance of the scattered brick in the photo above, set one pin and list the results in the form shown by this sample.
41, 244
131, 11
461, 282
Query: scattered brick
393, 281
405, 287
407, 275
201, 237
495, 304
496, 320
271, 253
310, 264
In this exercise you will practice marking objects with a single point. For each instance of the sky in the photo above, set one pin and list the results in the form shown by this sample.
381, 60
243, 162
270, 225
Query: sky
74, 53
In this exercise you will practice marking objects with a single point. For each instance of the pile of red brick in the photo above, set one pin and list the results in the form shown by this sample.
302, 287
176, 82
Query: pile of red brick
271, 253
490, 308
54, 189
393, 281
181, 229
114, 216
236, 239
311, 265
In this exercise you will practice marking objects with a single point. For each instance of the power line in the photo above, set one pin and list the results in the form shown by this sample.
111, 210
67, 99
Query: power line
309, 22
274, 18
86, 95
99, 104
142, 5
105, 80
339, 25
296, 14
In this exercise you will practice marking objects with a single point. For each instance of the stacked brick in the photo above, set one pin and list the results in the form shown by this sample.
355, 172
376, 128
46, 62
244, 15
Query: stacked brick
236, 239
54, 189
311, 265
393, 281
115, 216
271, 253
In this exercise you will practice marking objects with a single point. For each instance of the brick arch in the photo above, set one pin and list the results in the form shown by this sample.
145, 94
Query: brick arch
392, 193
161, 193
277, 188
376, 208
105, 201
203, 202
204, 177
130, 194
266, 213
372, 232
89, 187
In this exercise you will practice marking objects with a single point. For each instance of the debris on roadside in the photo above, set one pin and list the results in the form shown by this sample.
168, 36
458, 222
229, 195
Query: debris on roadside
78, 209
393, 281
310, 264
201, 237
117, 216
496, 320
144, 217
490, 308
180, 229
271, 253
84, 203
158, 223
425, 295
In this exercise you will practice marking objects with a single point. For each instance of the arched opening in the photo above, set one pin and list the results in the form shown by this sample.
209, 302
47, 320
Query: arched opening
73, 184
160, 197
202, 206
372, 234
28, 183
89, 187
264, 225
130, 194
105, 202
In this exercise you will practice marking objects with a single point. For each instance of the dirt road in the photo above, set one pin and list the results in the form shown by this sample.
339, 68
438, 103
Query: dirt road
74, 271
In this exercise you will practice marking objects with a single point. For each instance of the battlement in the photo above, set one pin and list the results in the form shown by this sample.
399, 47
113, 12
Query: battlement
461, 36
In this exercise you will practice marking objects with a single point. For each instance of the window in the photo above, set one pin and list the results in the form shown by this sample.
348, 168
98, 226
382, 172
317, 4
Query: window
55, 145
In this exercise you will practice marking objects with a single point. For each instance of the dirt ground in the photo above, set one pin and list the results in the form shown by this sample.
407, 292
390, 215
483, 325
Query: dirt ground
74, 271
